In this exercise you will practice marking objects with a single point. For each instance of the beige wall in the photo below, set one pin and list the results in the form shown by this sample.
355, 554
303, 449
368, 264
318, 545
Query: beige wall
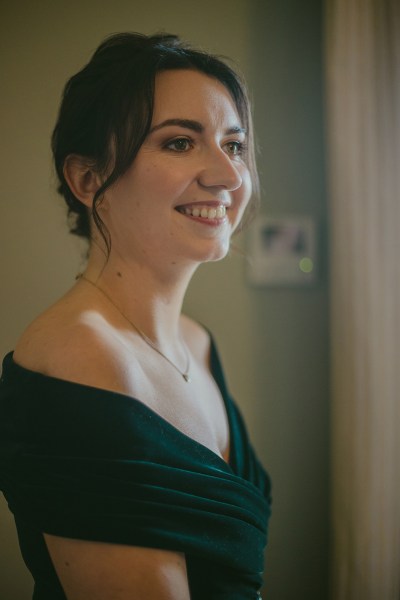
290, 327
273, 342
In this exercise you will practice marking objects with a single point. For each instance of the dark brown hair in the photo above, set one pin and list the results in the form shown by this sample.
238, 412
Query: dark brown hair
107, 109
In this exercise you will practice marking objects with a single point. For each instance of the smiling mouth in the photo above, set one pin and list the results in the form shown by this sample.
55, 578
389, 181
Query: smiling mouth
205, 212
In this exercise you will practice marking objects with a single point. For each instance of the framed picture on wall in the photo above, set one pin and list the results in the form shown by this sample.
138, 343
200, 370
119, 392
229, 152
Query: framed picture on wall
282, 251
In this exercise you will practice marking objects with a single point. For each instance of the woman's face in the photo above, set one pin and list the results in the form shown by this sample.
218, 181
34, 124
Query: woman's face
187, 189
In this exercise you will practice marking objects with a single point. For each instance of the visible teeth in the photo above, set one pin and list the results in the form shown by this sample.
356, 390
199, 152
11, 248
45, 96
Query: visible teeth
204, 212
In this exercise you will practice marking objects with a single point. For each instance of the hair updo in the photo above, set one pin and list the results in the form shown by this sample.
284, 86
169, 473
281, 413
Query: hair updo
107, 109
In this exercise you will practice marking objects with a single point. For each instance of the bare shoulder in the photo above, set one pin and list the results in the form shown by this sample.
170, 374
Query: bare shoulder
197, 338
73, 344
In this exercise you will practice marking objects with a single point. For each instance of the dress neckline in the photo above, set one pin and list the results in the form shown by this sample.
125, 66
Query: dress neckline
216, 373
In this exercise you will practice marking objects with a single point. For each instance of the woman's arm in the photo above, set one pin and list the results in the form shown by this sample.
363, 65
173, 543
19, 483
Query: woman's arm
102, 571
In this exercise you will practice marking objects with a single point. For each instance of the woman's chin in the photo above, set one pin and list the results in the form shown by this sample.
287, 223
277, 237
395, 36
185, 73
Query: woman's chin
217, 253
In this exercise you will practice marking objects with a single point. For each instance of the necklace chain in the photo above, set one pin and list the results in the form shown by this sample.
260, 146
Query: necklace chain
145, 338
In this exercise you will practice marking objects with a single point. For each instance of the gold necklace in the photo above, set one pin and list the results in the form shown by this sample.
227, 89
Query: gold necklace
145, 338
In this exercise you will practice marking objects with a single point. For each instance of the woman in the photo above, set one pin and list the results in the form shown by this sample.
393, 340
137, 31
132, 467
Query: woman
124, 460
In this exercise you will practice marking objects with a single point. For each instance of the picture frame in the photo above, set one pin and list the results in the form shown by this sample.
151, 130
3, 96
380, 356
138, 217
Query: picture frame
282, 251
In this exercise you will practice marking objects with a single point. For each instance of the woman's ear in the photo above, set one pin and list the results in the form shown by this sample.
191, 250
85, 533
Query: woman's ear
82, 179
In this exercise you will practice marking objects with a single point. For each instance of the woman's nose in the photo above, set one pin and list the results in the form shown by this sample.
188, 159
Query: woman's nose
219, 170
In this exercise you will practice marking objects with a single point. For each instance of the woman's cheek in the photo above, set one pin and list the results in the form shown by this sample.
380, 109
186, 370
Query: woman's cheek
245, 190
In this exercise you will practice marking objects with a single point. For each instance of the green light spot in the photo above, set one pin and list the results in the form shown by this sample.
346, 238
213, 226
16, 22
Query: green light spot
306, 265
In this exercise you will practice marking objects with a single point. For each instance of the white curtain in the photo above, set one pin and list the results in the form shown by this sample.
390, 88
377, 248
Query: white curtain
363, 135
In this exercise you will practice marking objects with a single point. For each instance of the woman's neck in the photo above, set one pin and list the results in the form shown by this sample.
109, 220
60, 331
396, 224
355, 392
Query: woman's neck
148, 297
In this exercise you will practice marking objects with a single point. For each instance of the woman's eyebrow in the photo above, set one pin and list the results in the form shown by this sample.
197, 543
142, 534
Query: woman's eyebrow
194, 126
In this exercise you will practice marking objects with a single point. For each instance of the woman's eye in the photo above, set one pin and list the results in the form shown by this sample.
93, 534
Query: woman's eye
179, 145
235, 148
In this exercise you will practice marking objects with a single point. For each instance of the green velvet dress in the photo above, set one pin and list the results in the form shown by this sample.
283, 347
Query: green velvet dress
86, 463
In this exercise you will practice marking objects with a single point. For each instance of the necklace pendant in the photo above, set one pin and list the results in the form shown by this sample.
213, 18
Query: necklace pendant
186, 377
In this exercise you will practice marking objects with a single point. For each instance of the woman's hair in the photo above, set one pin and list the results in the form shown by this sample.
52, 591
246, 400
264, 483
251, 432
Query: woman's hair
107, 109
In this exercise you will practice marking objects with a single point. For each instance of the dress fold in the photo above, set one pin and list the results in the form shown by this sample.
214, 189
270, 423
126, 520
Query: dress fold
86, 463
